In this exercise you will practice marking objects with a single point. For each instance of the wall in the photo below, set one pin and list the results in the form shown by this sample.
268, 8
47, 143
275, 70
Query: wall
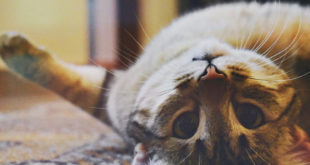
154, 15
58, 25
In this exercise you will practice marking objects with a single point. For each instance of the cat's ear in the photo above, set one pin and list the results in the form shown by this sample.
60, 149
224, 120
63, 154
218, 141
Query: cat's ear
79, 84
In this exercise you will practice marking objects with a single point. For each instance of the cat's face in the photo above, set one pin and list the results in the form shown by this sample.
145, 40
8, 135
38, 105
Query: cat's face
215, 105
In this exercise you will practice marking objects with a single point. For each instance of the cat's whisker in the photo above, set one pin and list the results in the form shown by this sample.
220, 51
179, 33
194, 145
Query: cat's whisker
285, 51
98, 65
121, 61
130, 52
289, 79
293, 54
142, 28
250, 157
288, 57
264, 41
130, 62
288, 72
298, 77
253, 25
99, 87
258, 155
280, 57
112, 73
250, 34
288, 50
242, 39
134, 39
274, 25
267, 51
93, 62
256, 42
183, 160
296, 38
107, 70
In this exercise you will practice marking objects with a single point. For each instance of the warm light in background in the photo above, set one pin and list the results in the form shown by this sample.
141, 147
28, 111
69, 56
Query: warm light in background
154, 16
58, 25
62, 26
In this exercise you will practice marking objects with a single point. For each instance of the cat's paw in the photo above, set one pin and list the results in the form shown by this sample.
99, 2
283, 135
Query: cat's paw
16, 46
141, 155
12, 43
20, 55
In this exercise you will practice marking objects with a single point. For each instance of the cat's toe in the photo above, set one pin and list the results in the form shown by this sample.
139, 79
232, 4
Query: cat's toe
12, 43
19, 54
141, 156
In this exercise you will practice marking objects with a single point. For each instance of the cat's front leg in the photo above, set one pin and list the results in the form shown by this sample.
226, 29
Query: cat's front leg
78, 84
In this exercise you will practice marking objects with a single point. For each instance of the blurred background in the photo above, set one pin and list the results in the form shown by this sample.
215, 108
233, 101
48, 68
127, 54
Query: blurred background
112, 32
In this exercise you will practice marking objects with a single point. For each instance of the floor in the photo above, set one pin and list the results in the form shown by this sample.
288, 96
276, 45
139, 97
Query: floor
37, 125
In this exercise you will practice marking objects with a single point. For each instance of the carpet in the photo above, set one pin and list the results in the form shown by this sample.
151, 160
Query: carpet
39, 127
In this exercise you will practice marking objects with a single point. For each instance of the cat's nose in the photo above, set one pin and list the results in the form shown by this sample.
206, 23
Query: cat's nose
213, 84
212, 73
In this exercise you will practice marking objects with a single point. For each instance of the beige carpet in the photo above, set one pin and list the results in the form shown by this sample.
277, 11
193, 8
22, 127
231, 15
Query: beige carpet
36, 126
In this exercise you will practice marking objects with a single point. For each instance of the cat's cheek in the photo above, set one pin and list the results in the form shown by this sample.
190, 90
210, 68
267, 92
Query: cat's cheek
140, 157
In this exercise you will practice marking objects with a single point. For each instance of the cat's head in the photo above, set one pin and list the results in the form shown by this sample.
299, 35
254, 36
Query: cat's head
214, 104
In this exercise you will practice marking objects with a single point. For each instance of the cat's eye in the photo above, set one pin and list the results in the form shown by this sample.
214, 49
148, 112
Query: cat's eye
249, 115
186, 124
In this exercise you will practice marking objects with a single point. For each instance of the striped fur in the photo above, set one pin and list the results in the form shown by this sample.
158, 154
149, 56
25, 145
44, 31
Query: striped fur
78, 84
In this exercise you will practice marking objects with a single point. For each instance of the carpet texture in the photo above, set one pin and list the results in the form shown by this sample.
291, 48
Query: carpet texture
38, 127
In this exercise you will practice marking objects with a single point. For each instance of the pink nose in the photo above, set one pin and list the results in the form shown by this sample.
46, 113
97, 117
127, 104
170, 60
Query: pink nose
212, 74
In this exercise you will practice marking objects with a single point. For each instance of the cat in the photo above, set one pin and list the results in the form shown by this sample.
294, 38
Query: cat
218, 86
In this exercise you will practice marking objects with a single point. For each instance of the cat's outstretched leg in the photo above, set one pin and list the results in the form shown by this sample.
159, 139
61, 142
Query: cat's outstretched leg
78, 84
